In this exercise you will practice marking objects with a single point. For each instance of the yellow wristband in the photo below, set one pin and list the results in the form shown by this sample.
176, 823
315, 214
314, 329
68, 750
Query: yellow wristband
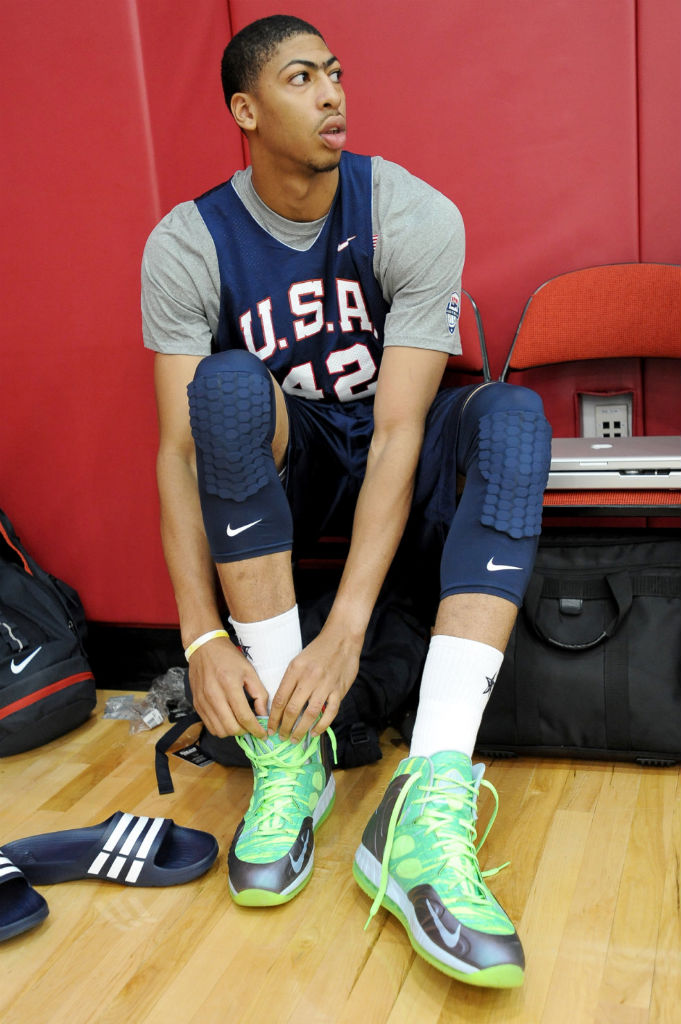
203, 639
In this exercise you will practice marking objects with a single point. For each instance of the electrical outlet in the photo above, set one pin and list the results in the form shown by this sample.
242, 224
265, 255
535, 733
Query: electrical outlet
611, 420
606, 415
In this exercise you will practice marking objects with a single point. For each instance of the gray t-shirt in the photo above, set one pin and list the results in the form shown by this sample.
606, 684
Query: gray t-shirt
418, 260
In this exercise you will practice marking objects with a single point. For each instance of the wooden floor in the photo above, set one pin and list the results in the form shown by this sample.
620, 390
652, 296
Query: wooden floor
593, 888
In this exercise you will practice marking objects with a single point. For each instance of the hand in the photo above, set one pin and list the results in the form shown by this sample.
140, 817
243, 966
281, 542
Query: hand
220, 677
318, 677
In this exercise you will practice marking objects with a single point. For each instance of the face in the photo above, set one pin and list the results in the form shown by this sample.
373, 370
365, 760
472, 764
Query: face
298, 106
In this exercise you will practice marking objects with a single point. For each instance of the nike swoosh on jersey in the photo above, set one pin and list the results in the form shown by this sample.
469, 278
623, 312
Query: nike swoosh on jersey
17, 667
234, 531
492, 567
346, 243
450, 939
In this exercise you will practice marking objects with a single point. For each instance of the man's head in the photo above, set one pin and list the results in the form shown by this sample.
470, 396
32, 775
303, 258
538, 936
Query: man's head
247, 53
283, 87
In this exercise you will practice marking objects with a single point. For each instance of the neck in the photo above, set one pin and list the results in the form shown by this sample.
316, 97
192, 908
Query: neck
296, 196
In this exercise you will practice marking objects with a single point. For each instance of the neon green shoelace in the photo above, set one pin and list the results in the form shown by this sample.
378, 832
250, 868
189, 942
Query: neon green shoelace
440, 810
280, 774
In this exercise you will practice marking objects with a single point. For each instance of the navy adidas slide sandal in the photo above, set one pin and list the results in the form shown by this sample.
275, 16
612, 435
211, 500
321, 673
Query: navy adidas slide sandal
21, 907
125, 848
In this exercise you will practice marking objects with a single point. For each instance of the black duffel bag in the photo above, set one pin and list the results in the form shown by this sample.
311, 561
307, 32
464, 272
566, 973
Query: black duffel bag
593, 667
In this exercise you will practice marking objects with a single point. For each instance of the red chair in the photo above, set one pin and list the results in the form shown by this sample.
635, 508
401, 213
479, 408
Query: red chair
608, 335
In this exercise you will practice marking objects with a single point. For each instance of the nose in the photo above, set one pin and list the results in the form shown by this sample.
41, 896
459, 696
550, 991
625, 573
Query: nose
329, 94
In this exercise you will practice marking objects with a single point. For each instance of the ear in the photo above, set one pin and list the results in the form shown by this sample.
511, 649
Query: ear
243, 111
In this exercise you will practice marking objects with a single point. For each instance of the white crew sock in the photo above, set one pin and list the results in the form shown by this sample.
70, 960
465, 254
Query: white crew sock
458, 678
270, 645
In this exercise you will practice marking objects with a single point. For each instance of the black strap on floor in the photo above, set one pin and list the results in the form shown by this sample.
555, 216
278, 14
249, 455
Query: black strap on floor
163, 779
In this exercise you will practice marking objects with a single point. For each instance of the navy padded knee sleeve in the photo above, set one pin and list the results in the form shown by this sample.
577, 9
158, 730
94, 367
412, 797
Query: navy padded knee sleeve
514, 456
233, 416
505, 453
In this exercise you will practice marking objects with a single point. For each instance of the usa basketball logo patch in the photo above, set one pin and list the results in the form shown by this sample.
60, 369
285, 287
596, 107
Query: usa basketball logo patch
453, 311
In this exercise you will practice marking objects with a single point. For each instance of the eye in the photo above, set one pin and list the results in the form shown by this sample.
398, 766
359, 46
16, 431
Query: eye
336, 75
300, 78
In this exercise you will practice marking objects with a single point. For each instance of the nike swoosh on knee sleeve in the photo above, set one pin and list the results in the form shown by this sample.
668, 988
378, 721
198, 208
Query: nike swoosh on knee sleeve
492, 567
233, 531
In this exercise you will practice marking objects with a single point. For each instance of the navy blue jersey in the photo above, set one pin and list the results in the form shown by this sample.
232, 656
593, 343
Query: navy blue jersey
314, 318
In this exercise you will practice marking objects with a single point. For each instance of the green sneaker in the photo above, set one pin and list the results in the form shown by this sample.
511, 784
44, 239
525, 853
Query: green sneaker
272, 853
418, 858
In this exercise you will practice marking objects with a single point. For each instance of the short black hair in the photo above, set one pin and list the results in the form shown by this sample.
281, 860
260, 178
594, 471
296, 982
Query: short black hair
247, 53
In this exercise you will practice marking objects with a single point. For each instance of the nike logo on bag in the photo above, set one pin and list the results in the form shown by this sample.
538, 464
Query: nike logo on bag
297, 862
492, 567
450, 939
17, 668
346, 243
232, 532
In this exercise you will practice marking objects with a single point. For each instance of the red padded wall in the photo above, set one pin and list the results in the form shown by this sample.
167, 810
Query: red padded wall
73, 471
526, 114
78, 425
659, 107
195, 142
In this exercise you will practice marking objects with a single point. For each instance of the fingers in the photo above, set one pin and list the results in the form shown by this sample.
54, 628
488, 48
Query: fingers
301, 721
219, 722
246, 716
255, 689
280, 709
260, 705
330, 712
291, 698
228, 714
220, 679
301, 704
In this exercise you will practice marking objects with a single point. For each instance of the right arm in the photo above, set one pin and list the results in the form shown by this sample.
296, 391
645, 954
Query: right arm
220, 675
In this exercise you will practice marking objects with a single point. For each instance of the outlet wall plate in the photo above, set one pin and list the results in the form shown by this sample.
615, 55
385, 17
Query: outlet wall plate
606, 415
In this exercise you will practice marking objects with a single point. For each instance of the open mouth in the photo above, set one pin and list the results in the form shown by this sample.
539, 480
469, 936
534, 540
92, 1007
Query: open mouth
334, 136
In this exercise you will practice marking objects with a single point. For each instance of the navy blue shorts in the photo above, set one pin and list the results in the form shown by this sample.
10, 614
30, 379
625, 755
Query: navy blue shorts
326, 462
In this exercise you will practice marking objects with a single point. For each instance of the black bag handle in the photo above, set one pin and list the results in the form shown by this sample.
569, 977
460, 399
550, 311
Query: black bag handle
621, 591
163, 745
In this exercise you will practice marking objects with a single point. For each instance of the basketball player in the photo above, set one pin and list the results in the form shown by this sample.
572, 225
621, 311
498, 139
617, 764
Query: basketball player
303, 314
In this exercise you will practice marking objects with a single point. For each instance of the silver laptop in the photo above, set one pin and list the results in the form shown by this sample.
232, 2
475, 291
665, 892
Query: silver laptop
611, 463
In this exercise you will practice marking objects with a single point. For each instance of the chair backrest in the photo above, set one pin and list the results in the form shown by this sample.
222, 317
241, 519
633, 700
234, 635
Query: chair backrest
622, 310
605, 333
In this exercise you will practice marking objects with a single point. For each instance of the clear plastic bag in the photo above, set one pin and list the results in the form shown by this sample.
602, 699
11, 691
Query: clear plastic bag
120, 707
166, 697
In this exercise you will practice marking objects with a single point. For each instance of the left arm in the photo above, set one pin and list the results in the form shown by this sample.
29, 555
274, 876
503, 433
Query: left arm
323, 673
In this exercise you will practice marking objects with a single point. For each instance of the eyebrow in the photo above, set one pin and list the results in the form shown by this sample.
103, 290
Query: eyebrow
312, 64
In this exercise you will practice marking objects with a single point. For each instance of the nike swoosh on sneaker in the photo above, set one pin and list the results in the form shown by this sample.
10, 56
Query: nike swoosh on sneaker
234, 531
17, 667
297, 862
493, 567
450, 939
346, 243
